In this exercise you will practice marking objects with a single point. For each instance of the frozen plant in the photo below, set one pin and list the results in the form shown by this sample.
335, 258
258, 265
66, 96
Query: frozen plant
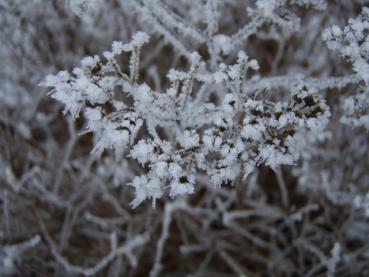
184, 137
242, 131
352, 42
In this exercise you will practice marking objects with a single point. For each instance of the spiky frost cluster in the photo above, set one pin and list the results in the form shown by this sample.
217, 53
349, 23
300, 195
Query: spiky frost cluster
224, 141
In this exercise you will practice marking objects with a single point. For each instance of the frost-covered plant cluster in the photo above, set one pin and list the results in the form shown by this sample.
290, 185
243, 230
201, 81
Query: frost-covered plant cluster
352, 43
188, 138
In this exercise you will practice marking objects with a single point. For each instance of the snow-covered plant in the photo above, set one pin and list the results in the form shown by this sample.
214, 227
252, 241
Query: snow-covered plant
352, 43
200, 138
223, 141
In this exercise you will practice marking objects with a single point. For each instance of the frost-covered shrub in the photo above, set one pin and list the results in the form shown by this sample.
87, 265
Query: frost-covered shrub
242, 132
353, 44
236, 131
